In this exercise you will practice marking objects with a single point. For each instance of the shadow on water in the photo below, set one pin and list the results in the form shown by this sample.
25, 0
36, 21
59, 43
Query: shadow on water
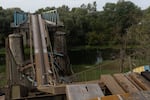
92, 56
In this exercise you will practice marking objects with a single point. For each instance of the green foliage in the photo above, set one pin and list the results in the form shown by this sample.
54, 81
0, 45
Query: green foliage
6, 17
2, 51
85, 25
121, 16
39, 11
94, 38
100, 28
139, 34
2, 68
3, 81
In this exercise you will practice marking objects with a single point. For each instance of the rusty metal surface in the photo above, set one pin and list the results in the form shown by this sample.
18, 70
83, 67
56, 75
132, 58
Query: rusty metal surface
44, 47
37, 50
43, 70
40, 65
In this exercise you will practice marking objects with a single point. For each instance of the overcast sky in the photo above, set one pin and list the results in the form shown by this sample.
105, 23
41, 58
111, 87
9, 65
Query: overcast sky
33, 5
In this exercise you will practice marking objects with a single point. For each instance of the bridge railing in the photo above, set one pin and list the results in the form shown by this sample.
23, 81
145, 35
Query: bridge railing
87, 75
19, 18
51, 16
95, 72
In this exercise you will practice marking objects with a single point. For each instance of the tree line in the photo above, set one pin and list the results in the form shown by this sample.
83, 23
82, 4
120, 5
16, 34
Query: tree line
6, 18
86, 26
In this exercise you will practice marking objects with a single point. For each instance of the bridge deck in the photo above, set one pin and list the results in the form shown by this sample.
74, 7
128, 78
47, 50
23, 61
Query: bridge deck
130, 86
134, 86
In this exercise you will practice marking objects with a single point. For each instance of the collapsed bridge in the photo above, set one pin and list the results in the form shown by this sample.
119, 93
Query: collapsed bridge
47, 64
45, 72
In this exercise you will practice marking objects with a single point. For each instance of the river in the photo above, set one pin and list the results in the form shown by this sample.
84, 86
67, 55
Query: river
92, 56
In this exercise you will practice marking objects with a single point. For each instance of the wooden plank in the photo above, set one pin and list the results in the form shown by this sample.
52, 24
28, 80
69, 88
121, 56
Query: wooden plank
18, 91
115, 97
137, 96
125, 83
144, 95
112, 97
143, 83
58, 89
112, 85
133, 82
83, 91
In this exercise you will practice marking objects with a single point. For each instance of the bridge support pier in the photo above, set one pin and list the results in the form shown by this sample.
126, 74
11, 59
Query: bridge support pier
16, 47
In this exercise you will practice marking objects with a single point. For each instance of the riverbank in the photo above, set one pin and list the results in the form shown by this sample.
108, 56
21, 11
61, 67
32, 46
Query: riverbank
106, 67
88, 47
87, 57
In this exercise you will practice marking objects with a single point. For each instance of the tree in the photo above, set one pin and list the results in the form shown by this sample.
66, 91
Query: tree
95, 38
139, 35
111, 23
92, 7
119, 18
1, 8
6, 17
83, 6
39, 11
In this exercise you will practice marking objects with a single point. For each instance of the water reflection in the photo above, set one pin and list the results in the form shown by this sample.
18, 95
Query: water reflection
92, 56
99, 58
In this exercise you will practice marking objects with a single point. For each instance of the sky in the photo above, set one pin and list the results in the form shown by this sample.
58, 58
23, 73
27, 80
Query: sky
33, 5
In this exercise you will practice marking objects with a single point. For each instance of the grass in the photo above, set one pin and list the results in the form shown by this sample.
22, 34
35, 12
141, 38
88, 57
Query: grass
2, 51
3, 80
2, 68
93, 72
79, 68
2, 76
106, 65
